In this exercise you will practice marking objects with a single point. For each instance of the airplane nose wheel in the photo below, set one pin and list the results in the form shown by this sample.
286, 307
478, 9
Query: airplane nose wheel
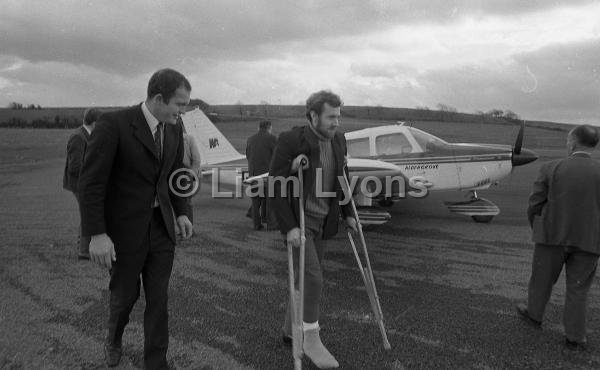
482, 219
481, 210
386, 202
478, 218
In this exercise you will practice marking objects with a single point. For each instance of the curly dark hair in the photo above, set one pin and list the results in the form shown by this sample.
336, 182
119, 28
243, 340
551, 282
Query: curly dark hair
316, 101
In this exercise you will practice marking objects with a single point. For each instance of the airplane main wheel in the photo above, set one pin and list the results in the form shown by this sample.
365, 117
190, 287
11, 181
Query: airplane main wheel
482, 219
386, 202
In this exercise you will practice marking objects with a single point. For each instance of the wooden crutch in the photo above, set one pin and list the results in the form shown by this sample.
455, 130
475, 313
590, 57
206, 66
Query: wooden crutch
366, 271
297, 296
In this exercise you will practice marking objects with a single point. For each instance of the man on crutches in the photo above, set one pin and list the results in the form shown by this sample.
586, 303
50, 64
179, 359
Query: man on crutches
325, 149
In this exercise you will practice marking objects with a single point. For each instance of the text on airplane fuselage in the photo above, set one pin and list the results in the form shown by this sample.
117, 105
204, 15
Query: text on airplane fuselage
433, 166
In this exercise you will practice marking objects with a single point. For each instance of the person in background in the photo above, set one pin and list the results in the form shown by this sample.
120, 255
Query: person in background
259, 150
564, 213
75, 151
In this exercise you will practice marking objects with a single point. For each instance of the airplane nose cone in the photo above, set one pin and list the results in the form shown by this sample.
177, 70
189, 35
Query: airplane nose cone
526, 156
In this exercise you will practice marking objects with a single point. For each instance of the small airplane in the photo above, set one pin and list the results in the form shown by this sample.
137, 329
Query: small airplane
398, 156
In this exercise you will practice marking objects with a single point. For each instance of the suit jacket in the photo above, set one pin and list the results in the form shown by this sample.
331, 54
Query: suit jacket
75, 151
302, 140
259, 151
122, 174
564, 207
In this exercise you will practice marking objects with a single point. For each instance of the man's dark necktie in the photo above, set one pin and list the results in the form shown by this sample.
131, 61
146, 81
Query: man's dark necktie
158, 140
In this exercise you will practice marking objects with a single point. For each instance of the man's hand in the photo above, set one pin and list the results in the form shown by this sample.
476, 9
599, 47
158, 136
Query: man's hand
293, 237
102, 250
184, 227
299, 161
351, 223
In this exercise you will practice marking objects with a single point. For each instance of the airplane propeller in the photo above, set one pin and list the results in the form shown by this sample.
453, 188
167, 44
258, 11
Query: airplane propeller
519, 141
522, 156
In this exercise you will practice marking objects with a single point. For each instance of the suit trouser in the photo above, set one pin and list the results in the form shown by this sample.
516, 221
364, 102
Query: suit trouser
314, 248
259, 210
83, 241
154, 261
270, 214
580, 269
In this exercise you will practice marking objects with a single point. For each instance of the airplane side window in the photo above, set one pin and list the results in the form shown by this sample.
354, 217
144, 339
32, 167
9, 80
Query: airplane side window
358, 147
427, 141
392, 144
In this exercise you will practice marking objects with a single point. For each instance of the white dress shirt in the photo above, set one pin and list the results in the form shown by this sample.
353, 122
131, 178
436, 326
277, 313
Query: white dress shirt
89, 131
152, 123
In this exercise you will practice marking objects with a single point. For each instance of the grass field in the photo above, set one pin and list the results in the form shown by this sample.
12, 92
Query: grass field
447, 285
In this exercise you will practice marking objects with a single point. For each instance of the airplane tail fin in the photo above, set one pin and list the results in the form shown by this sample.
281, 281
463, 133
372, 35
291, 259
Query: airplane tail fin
212, 144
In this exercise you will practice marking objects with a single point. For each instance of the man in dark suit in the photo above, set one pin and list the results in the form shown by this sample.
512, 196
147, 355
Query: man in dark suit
326, 151
259, 150
75, 151
564, 212
128, 206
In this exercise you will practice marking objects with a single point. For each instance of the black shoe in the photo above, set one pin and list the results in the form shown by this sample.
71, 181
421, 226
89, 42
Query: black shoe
286, 338
112, 355
83, 258
524, 314
575, 346
259, 227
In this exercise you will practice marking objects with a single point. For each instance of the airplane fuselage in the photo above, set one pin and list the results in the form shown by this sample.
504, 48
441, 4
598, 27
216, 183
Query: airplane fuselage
441, 165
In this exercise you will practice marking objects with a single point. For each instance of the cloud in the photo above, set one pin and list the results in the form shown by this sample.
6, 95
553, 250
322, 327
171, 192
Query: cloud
62, 84
125, 37
469, 53
556, 83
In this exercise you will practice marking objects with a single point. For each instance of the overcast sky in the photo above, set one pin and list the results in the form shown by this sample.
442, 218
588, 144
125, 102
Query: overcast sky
540, 59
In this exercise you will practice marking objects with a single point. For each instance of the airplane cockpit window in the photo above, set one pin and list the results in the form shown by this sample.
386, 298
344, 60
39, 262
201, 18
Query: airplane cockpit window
358, 147
427, 141
390, 144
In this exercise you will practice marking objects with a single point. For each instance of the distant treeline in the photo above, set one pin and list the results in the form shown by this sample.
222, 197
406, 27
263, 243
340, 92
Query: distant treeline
224, 113
67, 118
44, 117
15, 105
45, 122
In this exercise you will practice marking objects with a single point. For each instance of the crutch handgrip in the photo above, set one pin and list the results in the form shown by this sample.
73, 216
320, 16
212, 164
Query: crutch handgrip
299, 161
